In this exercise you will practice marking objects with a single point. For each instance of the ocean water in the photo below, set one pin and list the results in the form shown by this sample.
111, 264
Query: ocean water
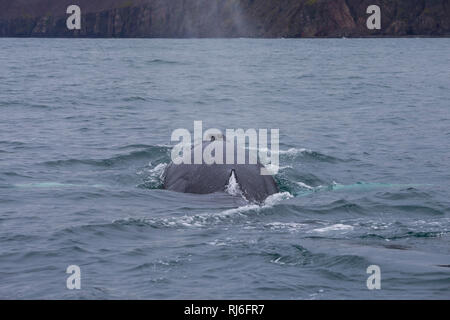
85, 131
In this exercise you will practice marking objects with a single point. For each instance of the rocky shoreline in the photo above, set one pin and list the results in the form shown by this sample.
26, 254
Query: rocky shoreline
225, 18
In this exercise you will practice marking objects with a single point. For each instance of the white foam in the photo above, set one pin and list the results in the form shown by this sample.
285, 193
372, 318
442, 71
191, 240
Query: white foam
158, 170
217, 243
202, 220
237, 211
232, 187
294, 151
335, 227
278, 261
289, 226
276, 198
304, 185
290, 151
274, 169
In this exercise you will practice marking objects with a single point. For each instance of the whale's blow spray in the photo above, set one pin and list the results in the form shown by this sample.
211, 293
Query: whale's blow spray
215, 18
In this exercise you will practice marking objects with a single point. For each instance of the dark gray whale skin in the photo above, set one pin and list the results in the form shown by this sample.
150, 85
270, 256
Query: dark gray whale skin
209, 178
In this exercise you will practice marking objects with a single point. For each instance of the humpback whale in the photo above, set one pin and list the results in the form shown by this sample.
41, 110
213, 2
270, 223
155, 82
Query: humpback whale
206, 178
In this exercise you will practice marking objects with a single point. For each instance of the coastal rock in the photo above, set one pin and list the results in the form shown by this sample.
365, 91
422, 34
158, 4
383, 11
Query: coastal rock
224, 18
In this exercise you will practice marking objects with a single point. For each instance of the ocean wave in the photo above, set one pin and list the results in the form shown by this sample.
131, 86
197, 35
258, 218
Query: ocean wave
294, 153
304, 185
308, 154
331, 263
136, 146
153, 152
406, 235
153, 176
397, 191
15, 144
52, 184
208, 219
134, 98
334, 227
162, 62
286, 226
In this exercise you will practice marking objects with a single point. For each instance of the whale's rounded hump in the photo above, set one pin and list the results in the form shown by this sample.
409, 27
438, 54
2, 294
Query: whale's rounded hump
209, 178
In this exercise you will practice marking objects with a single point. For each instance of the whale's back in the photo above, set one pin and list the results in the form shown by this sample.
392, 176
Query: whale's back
209, 178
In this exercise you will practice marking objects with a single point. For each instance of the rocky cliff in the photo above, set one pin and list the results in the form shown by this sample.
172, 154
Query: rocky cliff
224, 18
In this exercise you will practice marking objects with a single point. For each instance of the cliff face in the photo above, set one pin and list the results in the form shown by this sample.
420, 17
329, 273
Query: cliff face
224, 18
